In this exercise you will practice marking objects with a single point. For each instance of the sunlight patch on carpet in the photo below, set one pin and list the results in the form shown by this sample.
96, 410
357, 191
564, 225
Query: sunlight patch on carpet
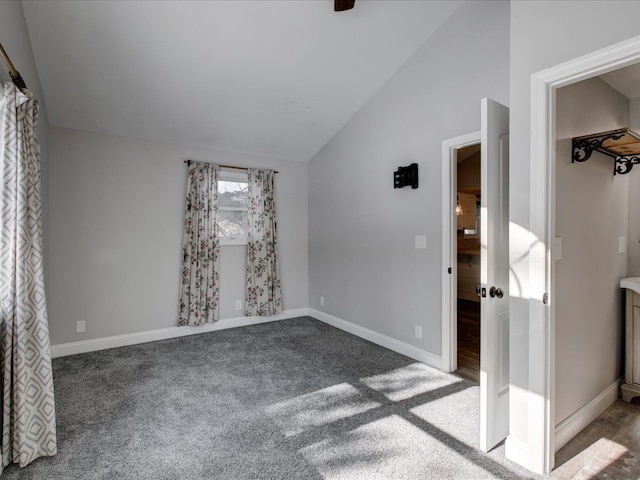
318, 408
458, 414
406, 382
388, 448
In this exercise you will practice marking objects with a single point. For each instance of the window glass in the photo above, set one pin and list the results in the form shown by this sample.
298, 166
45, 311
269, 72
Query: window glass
233, 192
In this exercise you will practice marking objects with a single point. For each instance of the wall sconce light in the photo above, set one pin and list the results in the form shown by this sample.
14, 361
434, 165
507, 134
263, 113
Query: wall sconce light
406, 176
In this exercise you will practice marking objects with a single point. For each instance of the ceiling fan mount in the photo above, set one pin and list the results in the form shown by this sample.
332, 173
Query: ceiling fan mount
342, 5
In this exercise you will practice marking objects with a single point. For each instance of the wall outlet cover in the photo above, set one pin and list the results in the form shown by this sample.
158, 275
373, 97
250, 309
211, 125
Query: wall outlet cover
81, 326
622, 244
238, 304
322, 301
418, 331
421, 241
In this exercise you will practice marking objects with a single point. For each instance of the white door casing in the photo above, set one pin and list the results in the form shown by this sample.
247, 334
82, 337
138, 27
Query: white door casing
494, 275
449, 247
536, 452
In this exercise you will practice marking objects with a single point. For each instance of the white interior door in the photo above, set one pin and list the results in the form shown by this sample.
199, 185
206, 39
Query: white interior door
494, 275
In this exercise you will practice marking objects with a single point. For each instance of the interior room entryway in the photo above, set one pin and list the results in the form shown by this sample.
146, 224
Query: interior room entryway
475, 265
543, 401
468, 195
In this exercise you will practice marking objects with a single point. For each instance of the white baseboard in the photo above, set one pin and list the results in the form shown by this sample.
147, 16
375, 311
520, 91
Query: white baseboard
84, 346
517, 451
574, 423
378, 338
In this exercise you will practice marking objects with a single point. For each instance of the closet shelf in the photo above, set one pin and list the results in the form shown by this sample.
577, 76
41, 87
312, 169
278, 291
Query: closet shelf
622, 144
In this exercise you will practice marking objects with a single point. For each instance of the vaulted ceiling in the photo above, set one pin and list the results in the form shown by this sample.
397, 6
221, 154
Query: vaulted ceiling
273, 78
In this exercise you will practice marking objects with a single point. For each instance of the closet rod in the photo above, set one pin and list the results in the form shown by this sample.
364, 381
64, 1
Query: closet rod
231, 166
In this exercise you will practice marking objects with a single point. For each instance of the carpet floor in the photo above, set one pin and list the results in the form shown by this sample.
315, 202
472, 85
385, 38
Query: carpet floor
293, 399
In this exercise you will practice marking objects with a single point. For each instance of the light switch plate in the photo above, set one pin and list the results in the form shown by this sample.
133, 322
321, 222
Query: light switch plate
557, 248
421, 241
622, 244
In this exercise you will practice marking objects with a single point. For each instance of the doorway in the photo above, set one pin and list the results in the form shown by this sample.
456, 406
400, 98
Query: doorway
468, 198
450, 150
541, 401
493, 288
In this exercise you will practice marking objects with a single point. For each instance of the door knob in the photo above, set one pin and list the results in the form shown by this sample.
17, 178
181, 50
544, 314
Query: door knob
496, 292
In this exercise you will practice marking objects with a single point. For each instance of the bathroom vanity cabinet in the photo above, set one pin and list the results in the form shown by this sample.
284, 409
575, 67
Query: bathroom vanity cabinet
631, 386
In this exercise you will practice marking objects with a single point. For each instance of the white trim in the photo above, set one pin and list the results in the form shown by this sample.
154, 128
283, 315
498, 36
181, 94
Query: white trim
411, 351
516, 450
577, 421
540, 329
83, 346
449, 247
541, 402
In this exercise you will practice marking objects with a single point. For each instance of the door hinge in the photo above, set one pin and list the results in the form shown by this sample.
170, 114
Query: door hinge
545, 298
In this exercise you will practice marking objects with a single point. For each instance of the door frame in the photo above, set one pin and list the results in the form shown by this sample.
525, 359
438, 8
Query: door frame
541, 393
449, 247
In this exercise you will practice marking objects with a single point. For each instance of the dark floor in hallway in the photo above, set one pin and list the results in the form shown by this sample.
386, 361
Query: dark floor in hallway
469, 340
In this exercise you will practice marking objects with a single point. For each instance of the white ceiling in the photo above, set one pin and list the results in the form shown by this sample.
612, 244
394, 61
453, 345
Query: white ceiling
273, 78
625, 80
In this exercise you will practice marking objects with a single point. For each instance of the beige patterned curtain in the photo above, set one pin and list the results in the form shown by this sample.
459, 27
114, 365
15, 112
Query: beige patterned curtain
28, 407
263, 278
199, 287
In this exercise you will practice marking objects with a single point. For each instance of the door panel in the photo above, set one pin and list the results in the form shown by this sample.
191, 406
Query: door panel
494, 275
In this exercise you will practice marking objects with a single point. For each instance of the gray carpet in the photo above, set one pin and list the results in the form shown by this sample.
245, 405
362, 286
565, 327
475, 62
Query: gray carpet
294, 399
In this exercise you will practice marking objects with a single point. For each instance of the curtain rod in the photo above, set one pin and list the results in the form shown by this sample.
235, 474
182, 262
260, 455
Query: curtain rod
13, 73
229, 166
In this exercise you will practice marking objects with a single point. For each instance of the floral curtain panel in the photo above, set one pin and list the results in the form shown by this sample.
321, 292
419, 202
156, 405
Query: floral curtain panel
28, 406
263, 278
199, 287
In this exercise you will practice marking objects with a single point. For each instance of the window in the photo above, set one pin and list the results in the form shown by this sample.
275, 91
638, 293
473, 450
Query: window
233, 200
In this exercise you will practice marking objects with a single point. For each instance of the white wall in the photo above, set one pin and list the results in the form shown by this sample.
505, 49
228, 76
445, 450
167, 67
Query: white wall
592, 212
15, 40
634, 198
361, 231
117, 212
543, 34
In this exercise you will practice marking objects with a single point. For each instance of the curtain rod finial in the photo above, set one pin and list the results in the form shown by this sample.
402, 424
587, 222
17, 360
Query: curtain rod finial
13, 73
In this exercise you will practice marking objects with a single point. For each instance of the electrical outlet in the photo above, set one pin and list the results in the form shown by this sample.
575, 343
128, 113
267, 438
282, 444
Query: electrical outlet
421, 241
622, 244
80, 326
418, 331
238, 304
322, 301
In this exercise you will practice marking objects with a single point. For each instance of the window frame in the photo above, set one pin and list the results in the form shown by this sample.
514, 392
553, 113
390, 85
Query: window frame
233, 176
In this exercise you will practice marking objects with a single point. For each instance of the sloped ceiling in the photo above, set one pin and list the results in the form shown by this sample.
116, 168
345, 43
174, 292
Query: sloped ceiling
625, 80
273, 78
